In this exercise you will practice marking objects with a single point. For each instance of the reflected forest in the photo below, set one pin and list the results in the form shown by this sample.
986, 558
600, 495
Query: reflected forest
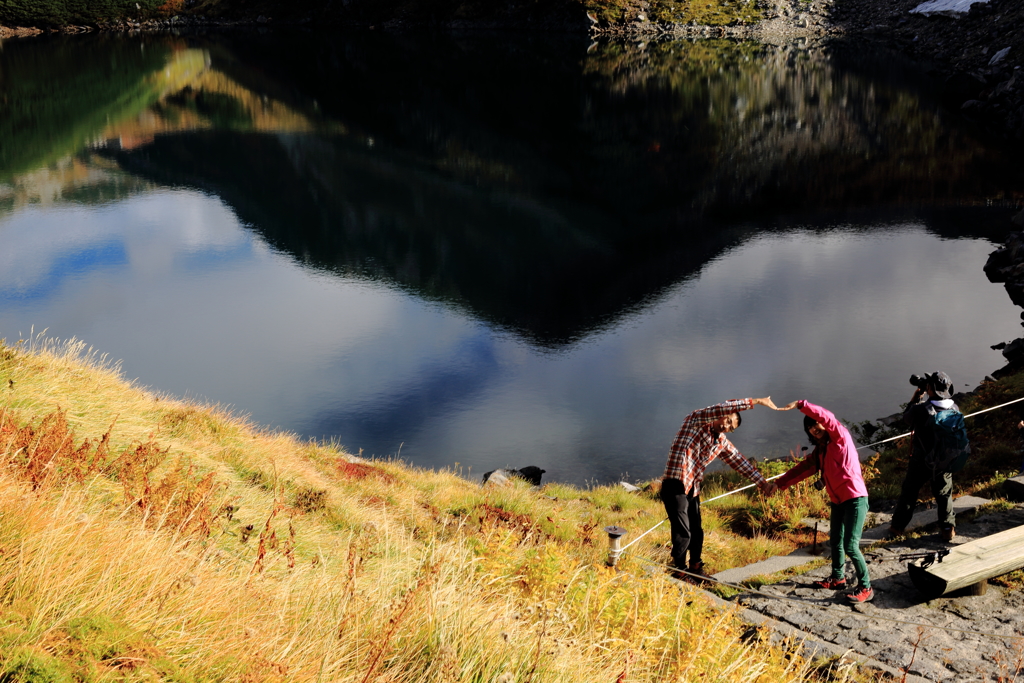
544, 194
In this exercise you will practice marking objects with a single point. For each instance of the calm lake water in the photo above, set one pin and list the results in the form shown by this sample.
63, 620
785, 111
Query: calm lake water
486, 251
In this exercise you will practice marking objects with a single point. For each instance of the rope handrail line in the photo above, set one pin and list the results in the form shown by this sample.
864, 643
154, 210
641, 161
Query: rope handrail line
979, 412
744, 488
727, 493
828, 608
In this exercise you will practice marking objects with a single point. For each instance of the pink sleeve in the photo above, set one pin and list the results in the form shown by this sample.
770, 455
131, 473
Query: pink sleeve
825, 418
798, 472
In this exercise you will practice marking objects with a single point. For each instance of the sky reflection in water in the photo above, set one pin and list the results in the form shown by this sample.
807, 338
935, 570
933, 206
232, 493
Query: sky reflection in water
197, 305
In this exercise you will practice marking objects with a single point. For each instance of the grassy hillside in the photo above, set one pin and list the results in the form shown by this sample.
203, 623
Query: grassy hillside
142, 538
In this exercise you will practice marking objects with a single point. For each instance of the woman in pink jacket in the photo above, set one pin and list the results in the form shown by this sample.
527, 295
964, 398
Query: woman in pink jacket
835, 458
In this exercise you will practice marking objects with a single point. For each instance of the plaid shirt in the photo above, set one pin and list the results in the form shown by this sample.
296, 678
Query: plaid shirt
696, 445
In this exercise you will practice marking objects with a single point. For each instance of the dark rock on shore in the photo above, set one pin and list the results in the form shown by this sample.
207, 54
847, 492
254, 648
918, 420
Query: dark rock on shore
530, 473
1006, 265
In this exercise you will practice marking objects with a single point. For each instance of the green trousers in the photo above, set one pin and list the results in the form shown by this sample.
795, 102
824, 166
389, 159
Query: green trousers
847, 524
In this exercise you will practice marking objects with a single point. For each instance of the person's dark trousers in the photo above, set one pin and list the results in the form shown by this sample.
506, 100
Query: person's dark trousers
918, 472
684, 516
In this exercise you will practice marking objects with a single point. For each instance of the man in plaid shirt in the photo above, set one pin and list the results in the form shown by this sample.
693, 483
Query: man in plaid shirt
700, 440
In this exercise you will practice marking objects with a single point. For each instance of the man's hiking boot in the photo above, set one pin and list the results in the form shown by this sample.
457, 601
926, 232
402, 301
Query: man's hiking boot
947, 533
697, 575
831, 583
860, 595
893, 532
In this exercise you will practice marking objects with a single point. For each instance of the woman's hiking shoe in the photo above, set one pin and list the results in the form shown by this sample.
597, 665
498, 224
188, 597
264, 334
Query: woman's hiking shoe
830, 583
861, 595
947, 533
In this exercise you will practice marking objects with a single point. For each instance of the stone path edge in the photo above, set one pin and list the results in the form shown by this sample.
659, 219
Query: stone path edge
810, 647
801, 556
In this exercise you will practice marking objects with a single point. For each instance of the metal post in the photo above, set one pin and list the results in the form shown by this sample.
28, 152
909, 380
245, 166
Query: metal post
614, 549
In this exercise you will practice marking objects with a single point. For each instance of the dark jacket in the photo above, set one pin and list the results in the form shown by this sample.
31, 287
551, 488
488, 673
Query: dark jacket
918, 417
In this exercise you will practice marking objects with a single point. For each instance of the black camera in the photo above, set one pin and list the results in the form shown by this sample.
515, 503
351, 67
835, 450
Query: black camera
920, 381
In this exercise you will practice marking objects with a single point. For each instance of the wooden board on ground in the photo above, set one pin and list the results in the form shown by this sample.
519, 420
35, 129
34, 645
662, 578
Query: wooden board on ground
971, 563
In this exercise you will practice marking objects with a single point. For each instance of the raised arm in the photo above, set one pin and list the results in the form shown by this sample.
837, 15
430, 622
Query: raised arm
799, 472
719, 410
734, 459
825, 418
909, 414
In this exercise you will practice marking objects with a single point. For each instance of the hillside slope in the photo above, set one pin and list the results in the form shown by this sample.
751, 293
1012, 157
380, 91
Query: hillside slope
142, 538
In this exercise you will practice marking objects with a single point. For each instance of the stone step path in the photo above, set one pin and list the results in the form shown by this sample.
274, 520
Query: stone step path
966, 638
871, 536
961, 505
958, 637
770, 566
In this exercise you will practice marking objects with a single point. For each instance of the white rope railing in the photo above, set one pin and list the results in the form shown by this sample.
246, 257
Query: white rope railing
900, 436
870, 445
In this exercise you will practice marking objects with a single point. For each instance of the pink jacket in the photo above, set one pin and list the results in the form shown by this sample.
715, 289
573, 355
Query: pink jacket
841, 467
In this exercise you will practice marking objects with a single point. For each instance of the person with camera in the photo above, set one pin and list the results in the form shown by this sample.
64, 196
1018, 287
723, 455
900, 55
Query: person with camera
701, 439
933, 396
835, 460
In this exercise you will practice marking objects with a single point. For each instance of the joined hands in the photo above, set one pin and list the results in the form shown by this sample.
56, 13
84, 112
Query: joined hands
769, 488
767, 402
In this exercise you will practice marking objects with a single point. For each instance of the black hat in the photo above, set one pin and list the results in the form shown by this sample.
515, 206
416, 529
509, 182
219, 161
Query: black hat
942, 385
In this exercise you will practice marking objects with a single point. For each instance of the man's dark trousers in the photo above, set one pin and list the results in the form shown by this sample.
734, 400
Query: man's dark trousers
919, 472
684, 516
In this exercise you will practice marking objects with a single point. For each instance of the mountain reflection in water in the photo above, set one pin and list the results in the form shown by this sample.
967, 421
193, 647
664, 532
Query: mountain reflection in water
542, 193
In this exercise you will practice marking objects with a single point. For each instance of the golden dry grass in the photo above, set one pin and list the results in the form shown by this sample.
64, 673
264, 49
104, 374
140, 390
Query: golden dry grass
186, 544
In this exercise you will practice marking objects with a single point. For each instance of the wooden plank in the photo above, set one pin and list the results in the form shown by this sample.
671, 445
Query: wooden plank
971, 563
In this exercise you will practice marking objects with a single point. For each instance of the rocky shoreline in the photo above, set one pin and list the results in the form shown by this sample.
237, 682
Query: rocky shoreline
979, 53
1006, 265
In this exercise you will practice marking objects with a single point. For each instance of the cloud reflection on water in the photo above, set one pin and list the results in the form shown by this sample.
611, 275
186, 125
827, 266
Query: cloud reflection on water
197, 305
